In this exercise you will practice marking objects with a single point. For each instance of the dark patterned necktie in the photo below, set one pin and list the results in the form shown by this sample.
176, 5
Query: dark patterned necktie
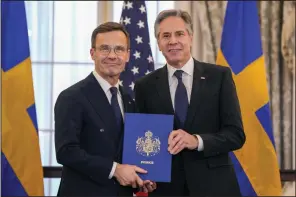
115, 106
181, 99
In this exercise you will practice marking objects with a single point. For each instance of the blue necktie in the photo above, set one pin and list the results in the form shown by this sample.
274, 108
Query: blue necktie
181, 99
115, 106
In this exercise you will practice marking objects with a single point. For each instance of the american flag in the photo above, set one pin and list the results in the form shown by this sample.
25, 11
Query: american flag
134, 18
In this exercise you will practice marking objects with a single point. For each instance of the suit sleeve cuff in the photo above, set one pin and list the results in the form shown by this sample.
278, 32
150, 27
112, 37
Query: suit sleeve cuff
200, 143
112, 170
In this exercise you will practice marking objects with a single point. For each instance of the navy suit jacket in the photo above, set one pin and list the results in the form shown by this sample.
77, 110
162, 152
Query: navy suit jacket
214, 113
87, 140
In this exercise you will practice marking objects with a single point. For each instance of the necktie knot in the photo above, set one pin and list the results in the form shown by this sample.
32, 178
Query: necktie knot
113, 91
178, 74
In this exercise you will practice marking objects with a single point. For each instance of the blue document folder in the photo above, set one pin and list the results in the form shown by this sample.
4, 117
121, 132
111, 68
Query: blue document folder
146, 144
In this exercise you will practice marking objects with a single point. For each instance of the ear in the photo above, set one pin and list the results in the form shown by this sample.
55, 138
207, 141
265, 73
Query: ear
128, 55
191, 39
158, 44
92, 53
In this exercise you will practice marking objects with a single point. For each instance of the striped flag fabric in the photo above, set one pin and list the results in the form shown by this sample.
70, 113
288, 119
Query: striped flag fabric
21, 169
256, 164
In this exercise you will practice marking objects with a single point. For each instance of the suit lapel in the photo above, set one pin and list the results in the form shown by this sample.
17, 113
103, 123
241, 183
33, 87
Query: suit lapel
126, 99
196, 93
128, 108
163, 90
99, 101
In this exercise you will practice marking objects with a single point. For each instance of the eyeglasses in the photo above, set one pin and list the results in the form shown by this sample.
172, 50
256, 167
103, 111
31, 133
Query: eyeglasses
106, 49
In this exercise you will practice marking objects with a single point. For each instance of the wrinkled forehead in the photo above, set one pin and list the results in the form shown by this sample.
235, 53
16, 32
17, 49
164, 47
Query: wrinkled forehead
172, 25
113, 38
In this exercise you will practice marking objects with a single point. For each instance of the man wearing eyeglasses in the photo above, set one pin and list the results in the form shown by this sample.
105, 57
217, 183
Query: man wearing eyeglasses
89, 123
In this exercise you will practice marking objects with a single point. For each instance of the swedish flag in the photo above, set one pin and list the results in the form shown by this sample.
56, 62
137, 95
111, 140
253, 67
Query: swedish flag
21, 167
256, 163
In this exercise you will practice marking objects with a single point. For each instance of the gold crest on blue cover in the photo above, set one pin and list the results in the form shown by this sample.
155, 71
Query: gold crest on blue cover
148, 146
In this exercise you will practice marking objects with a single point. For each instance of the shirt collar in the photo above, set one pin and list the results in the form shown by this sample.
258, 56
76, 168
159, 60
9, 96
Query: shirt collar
188, 68
104, 84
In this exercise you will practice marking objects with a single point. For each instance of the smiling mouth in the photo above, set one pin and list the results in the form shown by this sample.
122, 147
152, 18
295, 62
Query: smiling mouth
111, 64
174, 50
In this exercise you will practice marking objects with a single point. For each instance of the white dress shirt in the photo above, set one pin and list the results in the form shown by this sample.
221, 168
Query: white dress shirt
106, 87
187, 79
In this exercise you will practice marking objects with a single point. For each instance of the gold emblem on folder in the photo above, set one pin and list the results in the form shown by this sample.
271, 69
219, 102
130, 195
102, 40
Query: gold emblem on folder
148, 145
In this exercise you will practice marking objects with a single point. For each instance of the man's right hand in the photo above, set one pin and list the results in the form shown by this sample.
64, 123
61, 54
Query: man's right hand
127, 175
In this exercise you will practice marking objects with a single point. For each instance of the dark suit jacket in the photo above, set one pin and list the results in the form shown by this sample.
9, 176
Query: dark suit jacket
214, 114
87, 140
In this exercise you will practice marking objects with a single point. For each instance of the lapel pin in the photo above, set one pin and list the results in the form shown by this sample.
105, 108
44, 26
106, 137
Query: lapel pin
101, 130
203, 78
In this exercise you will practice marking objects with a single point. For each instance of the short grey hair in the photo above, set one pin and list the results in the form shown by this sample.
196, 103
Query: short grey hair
173, 12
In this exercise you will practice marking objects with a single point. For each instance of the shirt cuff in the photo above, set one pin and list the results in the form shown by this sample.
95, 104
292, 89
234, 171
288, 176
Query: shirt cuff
200, 143
112, 170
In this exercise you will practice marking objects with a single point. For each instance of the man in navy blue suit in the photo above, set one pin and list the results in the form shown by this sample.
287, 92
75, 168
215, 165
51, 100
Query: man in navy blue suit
203, 99
89, 123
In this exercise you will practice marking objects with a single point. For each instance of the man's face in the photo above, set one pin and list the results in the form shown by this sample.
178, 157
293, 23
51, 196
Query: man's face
174, 41
110, 53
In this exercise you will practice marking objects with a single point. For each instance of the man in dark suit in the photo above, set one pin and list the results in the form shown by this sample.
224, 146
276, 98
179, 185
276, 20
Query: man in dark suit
89, 123
208, 123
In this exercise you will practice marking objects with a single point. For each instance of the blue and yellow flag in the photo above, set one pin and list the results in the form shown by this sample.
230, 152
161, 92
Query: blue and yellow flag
21, 168
256, 163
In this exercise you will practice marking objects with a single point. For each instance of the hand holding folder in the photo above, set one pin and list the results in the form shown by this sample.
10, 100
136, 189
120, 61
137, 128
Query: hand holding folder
127, 175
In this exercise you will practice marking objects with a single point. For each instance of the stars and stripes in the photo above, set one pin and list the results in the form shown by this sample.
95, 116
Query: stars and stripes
134, 18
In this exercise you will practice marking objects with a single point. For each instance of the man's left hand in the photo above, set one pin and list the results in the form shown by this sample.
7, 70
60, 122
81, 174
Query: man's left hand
149, 186
180, 139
